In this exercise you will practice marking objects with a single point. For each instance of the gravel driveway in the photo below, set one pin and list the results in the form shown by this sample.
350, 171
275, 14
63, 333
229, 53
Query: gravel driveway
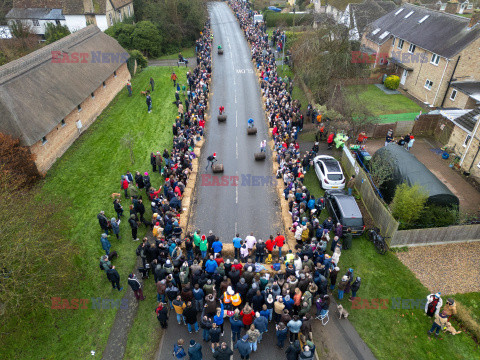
449, 268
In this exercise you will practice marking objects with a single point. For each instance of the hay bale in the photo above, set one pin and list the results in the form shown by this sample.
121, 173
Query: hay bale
222, 118
217, 168
260, 156
251, 131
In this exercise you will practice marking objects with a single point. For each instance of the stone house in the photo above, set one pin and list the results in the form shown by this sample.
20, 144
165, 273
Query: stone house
75, 14
465, 141
50, 96
430, 51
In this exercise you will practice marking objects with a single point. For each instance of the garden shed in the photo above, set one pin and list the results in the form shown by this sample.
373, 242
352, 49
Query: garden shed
407, 168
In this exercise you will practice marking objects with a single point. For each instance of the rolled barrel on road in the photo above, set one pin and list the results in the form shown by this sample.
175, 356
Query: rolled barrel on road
222, 118
217, 168
260, 156
251, 131
220, 51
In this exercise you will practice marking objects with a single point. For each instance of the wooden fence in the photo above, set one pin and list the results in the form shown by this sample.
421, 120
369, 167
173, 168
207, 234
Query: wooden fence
435, 236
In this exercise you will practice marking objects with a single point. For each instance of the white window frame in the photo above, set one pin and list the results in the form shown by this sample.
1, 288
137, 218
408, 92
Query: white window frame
435, 60
376, 31
409, 14
44, 140
412, 46
400, 44
115, 74
467, 140
443, 7
393, 42
428, 85
453, 95
423, 19
104, 84
398, 11
469, 6
63, 123
79, 107
384, 35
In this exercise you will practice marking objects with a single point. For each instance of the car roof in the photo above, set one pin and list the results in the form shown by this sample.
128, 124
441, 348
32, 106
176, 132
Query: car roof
332, 164
347, 204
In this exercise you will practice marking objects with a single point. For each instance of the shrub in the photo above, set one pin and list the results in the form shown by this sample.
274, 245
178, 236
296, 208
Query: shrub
392, 82
54, 32
437, 216
408, 203
141, 61
122, 32
273, 19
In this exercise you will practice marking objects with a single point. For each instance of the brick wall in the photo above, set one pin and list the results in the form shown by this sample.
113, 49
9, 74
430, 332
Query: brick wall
60, 138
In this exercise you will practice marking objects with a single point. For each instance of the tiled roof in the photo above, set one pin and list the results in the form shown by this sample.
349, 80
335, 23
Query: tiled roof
468, 120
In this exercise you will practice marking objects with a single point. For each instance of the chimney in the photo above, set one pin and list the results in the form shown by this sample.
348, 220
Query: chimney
451, 7
475, 19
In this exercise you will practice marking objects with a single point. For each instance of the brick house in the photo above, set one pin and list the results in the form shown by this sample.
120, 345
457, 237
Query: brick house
47, 104
75, 14
430, 51
465, 141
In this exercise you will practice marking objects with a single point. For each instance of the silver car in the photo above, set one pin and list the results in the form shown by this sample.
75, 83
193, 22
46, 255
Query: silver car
329, 172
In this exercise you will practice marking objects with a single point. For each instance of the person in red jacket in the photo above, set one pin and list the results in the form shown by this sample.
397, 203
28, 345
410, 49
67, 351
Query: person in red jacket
247, 316
279, 242
221, 109
124, 185
270, 244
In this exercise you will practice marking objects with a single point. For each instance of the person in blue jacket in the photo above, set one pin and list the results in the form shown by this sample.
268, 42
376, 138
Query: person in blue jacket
217, 246
218, 318
236, 325
281, 334
237, 244
243, 347
211, 265
105, 243
250, 123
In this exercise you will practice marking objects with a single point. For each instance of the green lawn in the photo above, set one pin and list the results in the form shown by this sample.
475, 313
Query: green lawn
395, 333
380, 103
186, 52
472, 302
84, 178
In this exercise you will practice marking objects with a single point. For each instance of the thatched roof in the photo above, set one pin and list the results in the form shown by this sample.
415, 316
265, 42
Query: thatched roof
36, 94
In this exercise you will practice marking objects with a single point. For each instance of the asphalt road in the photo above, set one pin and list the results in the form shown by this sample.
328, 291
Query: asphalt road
252, 205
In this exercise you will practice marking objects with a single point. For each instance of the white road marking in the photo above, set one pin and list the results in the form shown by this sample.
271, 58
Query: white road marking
236, 118
236, 147
235, 233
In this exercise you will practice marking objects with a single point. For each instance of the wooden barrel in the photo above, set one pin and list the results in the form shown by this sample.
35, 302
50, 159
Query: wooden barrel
217, 168
251, 131
220, 51
222, 118
260, 156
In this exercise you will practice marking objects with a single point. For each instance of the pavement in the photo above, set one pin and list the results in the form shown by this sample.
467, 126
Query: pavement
250, 206
427, 150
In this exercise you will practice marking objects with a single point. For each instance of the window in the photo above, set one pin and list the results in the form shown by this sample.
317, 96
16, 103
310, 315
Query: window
411, 48
467, 140
44, 140
63, 122
428, 84
393, 42
470, 6
384, 35
92, 95
111, 20
453, 95
128, 8
104, 84
442, 7
376, 31
398, 11
57, 22
423, 19
382, 60
36, 22
114, 74
408, 15
79, 107
400, 44
435, 59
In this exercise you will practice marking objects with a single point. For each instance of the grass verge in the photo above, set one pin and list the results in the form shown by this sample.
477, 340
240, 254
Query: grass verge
188, 52
84, 178
394, 333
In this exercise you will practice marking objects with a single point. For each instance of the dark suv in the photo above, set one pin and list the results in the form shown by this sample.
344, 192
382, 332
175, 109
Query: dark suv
344, 210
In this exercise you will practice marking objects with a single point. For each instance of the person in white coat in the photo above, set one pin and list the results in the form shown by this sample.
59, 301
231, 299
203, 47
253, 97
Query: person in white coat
433, 305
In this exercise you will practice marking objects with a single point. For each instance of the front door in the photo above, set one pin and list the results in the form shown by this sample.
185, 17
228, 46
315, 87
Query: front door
404, 77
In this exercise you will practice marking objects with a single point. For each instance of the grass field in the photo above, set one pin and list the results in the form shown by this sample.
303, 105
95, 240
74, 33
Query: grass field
84, 178
380, 103
186, 52
394, 333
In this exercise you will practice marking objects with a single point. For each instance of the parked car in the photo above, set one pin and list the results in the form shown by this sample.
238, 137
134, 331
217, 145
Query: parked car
343, 209
273, 8
329, 172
